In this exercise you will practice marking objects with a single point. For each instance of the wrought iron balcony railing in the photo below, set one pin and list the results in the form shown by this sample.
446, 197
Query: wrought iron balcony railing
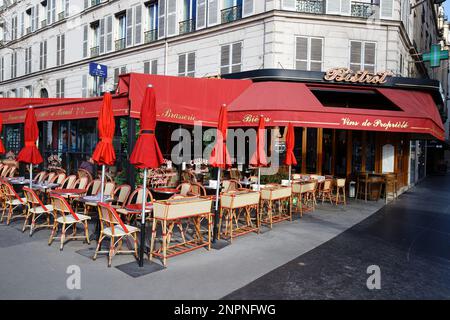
120, 44
187, 26
310, 6
95, 51
43, 23
95, 2
150, 36
231, 14
61, 16
362, 9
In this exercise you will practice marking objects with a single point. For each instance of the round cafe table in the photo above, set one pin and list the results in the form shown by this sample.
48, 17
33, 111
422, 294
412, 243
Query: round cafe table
69, 192
136, 208
164, 193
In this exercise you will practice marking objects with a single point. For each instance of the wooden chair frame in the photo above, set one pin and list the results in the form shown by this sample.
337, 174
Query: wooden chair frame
109, 216
35, 209
12, 202
271, 197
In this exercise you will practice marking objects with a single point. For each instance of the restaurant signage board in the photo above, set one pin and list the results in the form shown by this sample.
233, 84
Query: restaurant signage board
363, 76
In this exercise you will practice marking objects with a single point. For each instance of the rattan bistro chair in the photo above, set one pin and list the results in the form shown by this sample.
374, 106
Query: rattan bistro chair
36, 209
112, 226
13, 203
326, 191
65, 216
120, 196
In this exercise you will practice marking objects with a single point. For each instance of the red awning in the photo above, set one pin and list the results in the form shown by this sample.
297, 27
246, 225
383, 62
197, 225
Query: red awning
14, 109
284, 102
180, 99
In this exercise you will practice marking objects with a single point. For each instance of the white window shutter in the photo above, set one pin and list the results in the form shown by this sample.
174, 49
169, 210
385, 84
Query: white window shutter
162, 19
386, 8
85, 40
66, 10
345, 7
355, 55
129, 33
182, 65
191, 65
172, 18
301, 53
147, 67
225, 59
154, 69
288, 5
36, 17
138, 24
316, 54
109, 38
102, 36
248, 7
32, 19
236, 57
213, 12
201, 14
334, 6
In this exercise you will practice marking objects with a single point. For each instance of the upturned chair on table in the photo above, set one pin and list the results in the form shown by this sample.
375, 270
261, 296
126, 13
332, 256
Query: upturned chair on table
111, 226
66, 217
36, 209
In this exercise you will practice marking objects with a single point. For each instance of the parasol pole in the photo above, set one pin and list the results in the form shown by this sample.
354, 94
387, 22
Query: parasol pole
290, 168
216, 215
102, 183
31, 175
259, 178
144, 204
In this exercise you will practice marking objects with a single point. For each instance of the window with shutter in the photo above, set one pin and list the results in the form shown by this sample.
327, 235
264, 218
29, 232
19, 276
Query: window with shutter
109, 35
362, 56
147, 67
84, 91
171, 17
247, 8
154, 69
334, 6
315, 63
22, 24
301, 53
86, 4
369, 56
236, 57
58, 49
63, 47
355, 55
162, 19
225, 59
66, 9
85, 40
129, 21
191, 64
138, 24
201, 14
36, 17
182, 65
213, 12
289, 5
101, 43
309, 53
386, 8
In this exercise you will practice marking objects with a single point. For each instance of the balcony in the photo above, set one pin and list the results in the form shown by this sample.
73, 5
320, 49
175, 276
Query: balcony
95, 51
43, 23
362, 10
231, 14
28, 30
310, 6
187, 26
61, 16
120, 44
95, 2
150, 36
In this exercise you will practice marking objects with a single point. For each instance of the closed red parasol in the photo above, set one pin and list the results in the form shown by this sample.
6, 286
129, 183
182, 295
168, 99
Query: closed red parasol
104, 151
290, 143
259, 158
30, 153
2, 148
146, 153
220, 158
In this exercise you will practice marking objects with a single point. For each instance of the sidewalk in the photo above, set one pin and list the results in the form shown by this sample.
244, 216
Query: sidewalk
409, 240
30, 269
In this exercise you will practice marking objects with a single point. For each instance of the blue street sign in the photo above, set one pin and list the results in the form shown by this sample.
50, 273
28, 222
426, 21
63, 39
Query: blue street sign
98, 70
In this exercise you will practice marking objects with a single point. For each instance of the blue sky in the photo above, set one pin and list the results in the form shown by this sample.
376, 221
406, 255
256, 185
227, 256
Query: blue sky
447, 7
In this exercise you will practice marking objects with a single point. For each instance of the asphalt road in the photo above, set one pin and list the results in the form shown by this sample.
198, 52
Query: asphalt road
408, 242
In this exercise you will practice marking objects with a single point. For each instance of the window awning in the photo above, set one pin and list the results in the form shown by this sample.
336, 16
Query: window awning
182, 100
13, 109
284, 102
